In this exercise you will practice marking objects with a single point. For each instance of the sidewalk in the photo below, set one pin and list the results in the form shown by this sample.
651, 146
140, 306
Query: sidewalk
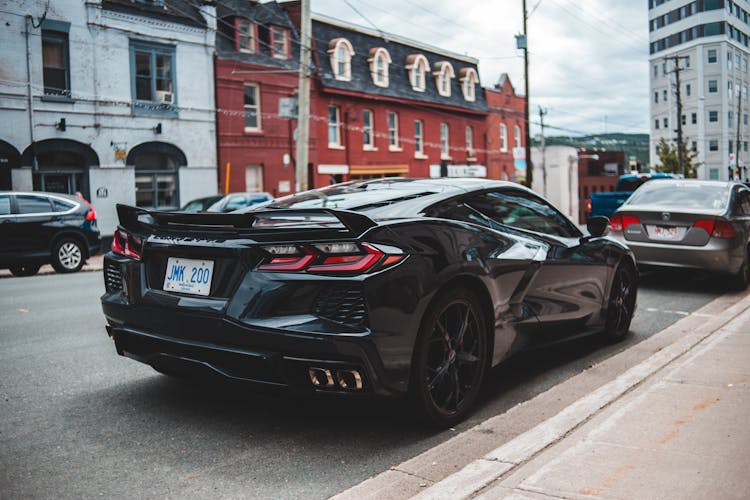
674, 425
92, 264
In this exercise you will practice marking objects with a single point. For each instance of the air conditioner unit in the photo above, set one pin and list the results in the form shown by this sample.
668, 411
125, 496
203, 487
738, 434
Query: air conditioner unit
164, 97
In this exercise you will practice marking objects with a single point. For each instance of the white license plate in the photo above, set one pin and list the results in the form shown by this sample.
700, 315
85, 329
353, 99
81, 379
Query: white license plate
664, 233
188, 276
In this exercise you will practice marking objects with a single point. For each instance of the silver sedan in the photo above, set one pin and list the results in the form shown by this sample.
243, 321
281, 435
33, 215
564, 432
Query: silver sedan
688, 224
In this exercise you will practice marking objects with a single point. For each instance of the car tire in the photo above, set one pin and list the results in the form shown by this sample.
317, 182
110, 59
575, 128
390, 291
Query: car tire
450, 359
742, 278
24, 269
67, 255
621, 303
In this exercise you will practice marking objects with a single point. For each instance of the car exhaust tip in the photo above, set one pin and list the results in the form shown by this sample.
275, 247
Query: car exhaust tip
349, 379
321, 377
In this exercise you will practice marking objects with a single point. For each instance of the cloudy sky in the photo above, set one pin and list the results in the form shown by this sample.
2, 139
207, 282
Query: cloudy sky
588, 58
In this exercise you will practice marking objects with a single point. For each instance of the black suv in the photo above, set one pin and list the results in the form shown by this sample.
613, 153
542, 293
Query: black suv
38, 228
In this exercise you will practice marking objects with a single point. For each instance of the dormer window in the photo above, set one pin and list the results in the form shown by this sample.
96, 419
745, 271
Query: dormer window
379, 59
246, 35
443, 73
469, 80
417, 66
280, 42
340, 52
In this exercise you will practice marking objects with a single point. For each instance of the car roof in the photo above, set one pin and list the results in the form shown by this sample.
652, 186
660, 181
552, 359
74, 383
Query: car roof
65, 196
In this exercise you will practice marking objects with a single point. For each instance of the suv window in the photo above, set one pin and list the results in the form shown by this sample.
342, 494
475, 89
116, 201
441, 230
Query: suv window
29, 204
4, 204
61, 206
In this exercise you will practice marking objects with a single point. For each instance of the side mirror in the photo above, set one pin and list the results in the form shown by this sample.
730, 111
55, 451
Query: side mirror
598, 226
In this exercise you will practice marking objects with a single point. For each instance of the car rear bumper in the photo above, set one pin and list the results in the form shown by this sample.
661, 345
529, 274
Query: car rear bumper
717, 255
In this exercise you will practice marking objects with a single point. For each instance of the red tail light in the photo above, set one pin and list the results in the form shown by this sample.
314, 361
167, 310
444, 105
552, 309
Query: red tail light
339, 257
619, 223
129, 245
588, 206
91, 215
716, 228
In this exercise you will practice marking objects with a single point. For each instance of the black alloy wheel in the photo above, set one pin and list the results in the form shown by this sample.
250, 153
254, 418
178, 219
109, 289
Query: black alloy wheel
450, 358
67, 256
621, 303
25, 269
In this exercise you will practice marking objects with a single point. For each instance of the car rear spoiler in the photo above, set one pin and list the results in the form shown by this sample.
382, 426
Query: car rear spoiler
141, 220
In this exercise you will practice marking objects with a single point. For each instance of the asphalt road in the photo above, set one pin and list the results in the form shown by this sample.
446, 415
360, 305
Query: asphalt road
79, 421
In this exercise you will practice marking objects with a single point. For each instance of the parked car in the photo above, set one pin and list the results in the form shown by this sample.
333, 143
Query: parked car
235, 201
604, 204
386, 287
200, 204
689, 224
46, 228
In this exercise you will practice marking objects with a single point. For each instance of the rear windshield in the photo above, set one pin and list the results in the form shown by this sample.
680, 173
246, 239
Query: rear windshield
354, 196
691, 195
630, 184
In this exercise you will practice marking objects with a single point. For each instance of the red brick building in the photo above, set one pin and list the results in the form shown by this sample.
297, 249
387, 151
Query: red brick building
598, 171
506, 129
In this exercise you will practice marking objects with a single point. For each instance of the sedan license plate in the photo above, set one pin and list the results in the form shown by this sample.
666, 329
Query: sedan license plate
188, 276
664, 233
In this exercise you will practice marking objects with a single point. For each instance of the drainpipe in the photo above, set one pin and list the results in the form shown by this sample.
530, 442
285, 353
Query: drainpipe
35, 165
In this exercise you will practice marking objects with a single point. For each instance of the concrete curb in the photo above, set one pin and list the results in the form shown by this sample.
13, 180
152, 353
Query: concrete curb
94, 263
528, 430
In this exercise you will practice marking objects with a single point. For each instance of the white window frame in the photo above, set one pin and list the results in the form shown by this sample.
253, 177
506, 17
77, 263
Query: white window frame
443, 73
394, 142
368, 128
417, 66
255, 86
469, 80
419, 139
517, 136
445, 141
503, 138
340, 51
282, 33
252, 36
470, 151
379, 59
334, 126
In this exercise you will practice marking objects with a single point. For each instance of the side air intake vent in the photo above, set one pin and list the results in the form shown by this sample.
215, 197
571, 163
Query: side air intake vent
342, 304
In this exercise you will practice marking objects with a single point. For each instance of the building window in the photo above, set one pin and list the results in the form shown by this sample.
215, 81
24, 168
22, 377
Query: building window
417, 66
517, 137
656, 97
252, 107
418, 138
368, 126
713, 116
340, 52
694, 146
729, 60
713, 86
153, 84
730, 119
711, 53
156, 166
713, 174
713, 145
503, 138
443, 73
656, 71
55, 63
664, 95
393, 142
280, 42
687, 89
729, 90
445, 153
334, 126
379, 59
694, 118
656, 124
665, 121
469, 80
731, 149
684, 120
470, 142
246, 35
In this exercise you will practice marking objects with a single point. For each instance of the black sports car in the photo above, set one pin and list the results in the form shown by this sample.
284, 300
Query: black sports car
385, 287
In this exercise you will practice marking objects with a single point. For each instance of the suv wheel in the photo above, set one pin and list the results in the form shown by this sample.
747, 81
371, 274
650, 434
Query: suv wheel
67, 256
24, 269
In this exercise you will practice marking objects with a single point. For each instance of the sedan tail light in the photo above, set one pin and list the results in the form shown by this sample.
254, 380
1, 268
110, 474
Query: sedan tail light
588, 206
619, 223
716, 228
127, 244
337, 257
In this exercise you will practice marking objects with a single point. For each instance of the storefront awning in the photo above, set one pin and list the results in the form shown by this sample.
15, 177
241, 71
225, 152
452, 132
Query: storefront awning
379, 170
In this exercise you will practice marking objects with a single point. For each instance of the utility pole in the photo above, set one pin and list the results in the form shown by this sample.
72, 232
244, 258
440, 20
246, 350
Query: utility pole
527, 135
303, 104
543, 112
737, 143
680, 149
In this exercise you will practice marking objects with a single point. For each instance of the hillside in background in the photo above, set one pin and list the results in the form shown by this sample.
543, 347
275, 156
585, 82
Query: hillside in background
636, 145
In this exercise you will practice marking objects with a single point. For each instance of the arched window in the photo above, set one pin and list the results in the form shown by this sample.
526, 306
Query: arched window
379, 59
503, 138
445, 144
443, 73
340, 52
417, 66
156, 167
469, 80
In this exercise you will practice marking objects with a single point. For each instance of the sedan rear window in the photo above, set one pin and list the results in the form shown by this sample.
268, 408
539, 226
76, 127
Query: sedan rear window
4, 204
688, 195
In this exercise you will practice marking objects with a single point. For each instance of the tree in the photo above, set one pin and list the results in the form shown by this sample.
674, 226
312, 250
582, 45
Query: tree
669, 158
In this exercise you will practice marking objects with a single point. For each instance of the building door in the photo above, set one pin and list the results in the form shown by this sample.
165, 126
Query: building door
156, 174
61, 172
254, 178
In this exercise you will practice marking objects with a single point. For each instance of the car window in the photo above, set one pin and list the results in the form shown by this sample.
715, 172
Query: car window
688, 194
29, 204
62, 206
743, 202
630, 184
4, 204
235, 202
